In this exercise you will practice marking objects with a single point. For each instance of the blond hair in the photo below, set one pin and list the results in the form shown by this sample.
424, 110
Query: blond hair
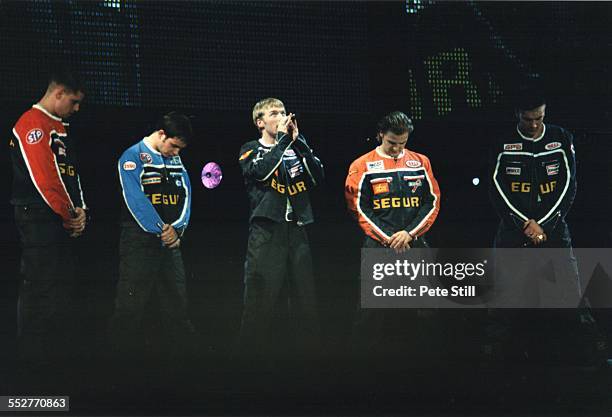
261, 106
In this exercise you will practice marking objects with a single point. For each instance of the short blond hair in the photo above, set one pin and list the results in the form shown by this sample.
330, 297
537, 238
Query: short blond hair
261, 106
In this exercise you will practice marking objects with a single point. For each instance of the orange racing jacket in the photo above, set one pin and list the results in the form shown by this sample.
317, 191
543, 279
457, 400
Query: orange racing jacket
387, 195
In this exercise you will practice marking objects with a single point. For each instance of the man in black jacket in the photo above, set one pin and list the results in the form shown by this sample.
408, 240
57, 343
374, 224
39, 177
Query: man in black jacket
534, 181
279, 170
533, 184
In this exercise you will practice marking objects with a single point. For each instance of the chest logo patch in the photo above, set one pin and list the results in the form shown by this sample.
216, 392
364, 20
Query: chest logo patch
513, 146
513, 171
411, 163
552, 145
34, 136
57, 141
146, 158
414, 182
380, 188
552, 169
380, 185
375, 165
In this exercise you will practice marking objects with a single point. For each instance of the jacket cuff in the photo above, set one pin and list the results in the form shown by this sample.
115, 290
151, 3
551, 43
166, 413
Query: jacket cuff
550, 224
301, 145
283, 140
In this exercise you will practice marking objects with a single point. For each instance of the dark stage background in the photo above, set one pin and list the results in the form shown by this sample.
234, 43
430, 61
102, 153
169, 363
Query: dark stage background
339, 66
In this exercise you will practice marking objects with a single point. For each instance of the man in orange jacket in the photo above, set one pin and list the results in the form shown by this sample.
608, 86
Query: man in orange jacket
391, 190
393, 194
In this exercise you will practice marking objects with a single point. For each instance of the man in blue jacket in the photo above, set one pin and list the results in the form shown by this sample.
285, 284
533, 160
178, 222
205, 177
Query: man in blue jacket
157, 195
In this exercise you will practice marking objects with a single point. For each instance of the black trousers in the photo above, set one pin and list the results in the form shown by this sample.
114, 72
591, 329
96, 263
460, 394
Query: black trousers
369, 323
278, 255
45, 306
146, 268
556, 334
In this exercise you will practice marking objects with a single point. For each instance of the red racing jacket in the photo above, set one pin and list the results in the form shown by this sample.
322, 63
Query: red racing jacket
387, 195
44, 169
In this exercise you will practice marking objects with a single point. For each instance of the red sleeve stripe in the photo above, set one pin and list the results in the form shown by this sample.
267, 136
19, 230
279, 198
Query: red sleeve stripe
61, 210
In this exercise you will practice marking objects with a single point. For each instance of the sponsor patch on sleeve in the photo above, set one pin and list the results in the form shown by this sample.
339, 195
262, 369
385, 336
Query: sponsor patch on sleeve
375, 165
245, 155
513, 171
513, 146
552, 145
34, 136
129, 166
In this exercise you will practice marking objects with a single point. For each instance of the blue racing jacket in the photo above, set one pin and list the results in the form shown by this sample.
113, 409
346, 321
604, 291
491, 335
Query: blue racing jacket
156, 189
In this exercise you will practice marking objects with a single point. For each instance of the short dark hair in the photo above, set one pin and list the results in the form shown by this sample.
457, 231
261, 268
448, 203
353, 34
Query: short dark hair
396, 122
176, 125
529, 96
68, 79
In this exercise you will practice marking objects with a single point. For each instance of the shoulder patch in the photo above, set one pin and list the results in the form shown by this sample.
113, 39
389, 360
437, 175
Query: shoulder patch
411, 163
129, 166
375, 165
513, 146
245, 155
552, 145
146, 158
34, 136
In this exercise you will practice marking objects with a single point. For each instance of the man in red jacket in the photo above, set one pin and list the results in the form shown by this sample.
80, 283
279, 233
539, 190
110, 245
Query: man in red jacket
49, 213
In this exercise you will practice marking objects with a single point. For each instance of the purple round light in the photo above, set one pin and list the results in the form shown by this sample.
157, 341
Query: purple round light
211, 175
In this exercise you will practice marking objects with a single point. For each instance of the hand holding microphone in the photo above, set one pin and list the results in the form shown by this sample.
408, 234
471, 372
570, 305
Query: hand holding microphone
288, 125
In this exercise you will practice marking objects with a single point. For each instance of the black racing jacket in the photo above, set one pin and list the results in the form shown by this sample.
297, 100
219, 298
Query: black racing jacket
277, 174
534, 178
